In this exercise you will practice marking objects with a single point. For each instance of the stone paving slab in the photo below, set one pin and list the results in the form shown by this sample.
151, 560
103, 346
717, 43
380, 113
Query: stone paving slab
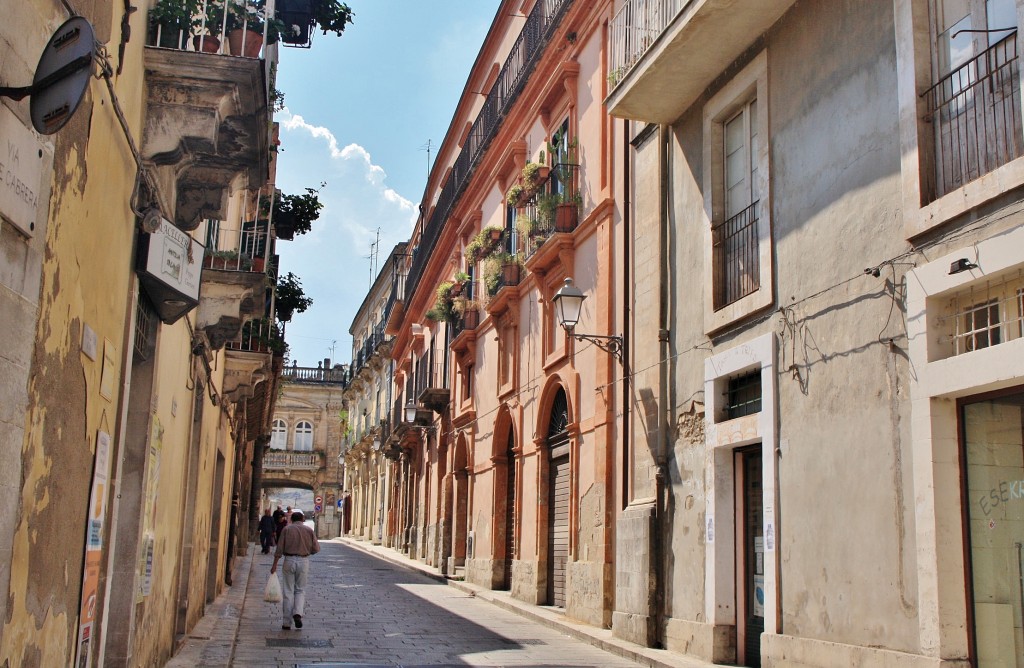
368, 606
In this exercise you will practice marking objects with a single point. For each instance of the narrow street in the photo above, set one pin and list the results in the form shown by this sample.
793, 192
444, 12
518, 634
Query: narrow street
364, 611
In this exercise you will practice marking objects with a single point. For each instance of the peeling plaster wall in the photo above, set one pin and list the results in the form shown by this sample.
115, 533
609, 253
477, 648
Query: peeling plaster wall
85, 279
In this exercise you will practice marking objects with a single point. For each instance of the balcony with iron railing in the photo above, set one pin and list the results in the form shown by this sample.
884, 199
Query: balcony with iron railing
543, 19
736, 257
974, 114
231, 248
196, 98
259, 336
691, 41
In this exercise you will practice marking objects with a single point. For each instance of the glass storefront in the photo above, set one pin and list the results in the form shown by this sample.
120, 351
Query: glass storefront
993, 441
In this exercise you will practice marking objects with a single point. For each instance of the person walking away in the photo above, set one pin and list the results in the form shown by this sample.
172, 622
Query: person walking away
267, 531
281, 521
296, 544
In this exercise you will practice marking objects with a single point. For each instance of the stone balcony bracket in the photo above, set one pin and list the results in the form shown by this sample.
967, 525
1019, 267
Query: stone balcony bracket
243, 371
207, 130
226, 300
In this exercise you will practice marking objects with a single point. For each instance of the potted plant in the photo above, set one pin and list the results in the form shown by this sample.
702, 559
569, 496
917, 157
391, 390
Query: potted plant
459, 283
300, 16
468, 311
171, 22
246, 22
290, 297
294, 214
444, 304
486, 242
501, 269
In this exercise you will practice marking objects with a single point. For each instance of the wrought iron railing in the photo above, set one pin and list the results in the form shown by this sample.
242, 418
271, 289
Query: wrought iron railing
228, 27
634, 29
259, 336
287, 460
525, 52
429, 375
237, 249
975, 114
736, 257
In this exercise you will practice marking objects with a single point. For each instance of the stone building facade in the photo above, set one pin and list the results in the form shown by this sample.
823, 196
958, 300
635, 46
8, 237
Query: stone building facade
805, 220
136, 390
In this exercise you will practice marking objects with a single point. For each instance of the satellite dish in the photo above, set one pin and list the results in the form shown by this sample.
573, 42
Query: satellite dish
62, 75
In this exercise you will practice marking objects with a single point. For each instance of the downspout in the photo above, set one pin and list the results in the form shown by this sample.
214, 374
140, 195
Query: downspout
627, 296
661, 456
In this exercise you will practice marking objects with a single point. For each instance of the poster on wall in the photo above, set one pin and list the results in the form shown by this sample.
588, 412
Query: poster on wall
93, 548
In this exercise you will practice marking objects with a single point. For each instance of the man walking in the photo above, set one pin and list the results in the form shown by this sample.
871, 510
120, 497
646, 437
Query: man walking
296, 543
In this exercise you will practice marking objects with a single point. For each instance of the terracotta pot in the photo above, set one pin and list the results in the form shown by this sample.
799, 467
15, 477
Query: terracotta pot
510, 273
253, 43
496, 234
566, 217
471, 319
206, 43
456, 290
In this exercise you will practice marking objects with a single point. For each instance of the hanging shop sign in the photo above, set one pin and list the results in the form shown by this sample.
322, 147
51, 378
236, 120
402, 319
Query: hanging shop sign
170, 266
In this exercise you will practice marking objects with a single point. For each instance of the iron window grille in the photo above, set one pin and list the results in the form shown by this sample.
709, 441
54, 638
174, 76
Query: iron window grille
743, 395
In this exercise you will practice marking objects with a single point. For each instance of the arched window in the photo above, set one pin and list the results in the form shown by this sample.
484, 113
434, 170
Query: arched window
279, 435
304, 436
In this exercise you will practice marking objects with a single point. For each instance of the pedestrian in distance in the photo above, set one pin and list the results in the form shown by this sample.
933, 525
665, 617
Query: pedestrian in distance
296, 544
280, 522
267, 531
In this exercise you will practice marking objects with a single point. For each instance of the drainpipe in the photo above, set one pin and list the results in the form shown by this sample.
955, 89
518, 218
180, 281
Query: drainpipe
661, 455
627, 295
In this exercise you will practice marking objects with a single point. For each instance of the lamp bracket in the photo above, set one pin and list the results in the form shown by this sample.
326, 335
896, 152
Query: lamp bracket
609, 344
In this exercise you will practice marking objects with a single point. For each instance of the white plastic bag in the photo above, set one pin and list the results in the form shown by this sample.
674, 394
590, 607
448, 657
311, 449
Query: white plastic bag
272, 592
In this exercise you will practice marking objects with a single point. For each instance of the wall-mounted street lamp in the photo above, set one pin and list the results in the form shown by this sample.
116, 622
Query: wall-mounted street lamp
415, 416
568, 303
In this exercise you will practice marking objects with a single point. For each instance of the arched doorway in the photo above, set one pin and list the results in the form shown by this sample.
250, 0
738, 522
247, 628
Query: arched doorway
558, 499
510, 510
460, 479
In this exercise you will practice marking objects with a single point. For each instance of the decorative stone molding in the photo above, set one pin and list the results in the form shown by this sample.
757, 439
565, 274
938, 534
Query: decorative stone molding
207, 130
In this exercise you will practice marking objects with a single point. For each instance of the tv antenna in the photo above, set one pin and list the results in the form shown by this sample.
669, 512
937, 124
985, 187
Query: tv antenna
372, 257
426, 147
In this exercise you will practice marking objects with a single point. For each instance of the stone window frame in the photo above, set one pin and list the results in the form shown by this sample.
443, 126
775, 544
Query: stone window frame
276, 444
299, 436
751, 82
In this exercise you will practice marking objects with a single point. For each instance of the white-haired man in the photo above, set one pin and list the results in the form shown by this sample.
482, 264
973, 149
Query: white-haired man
296, 544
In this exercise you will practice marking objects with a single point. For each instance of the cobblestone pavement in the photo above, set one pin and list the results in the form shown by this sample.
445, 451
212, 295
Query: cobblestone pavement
361, 610
370, 606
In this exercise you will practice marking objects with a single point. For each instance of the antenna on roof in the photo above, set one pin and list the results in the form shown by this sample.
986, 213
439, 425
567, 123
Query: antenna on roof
426, 147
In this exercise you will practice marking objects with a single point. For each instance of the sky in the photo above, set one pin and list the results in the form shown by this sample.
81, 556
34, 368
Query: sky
359, 112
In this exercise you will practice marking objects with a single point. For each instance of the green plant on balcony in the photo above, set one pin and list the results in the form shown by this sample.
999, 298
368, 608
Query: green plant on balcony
331, 16
444, 304
501, 269
174, 18
459, 282
486, 242
294, 214
290, 297
530, 179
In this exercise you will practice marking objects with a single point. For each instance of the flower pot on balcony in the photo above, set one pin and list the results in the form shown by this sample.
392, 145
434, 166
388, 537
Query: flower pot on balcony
206, 43
470, 319
510, 273
253, 42
566, 217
